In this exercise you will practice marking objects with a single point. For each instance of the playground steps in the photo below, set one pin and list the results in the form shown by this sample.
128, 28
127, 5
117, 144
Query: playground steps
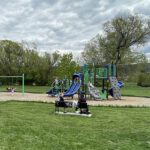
115, 88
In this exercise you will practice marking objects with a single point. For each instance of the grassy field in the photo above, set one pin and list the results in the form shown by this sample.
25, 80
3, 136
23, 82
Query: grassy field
28, 88
34, 126
130, 89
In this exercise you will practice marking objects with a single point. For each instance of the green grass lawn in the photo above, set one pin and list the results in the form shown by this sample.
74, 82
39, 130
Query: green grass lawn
34, 126
130, 89
28, 88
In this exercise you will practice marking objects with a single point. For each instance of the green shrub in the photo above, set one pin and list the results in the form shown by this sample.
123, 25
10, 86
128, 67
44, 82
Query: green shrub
144, 80
132, 77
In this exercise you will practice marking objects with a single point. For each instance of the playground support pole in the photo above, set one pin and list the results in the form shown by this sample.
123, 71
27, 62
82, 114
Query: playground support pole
103, 84
107, 87
23, 84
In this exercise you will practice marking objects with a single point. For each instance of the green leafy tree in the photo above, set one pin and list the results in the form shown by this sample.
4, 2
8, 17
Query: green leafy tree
11, 57
120, 35
66, 66
49, 62
93, 53
124, 32
32, 63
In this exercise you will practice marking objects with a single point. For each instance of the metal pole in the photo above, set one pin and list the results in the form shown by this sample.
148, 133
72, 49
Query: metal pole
23, 84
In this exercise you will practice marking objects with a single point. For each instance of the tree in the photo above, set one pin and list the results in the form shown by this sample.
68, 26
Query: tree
134, 57
11, 57
93, 53
40, 68
120, 35
50, 62
67, 66
17, 58
124, 32
32, 66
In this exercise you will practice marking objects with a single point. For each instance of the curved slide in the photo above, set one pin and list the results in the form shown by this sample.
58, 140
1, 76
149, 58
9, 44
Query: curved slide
94, 91
72, 90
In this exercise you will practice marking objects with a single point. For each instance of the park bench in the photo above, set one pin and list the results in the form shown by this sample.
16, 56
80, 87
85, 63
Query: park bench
66, 104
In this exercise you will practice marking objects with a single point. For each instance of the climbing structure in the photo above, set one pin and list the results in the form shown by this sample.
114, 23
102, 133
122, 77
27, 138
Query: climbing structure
116, 93
106, 77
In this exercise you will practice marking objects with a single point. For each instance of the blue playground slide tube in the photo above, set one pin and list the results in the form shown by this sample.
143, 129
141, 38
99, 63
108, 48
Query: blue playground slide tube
72, 90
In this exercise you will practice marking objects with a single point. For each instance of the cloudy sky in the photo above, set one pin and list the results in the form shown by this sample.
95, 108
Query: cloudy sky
64, 25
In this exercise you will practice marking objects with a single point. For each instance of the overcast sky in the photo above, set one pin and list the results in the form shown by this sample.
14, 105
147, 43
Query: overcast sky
64, 25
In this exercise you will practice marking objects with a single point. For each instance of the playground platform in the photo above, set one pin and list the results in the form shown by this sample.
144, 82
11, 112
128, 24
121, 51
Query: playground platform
125, 101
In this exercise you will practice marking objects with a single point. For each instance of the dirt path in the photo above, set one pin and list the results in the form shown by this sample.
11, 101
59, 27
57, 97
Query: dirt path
126, 101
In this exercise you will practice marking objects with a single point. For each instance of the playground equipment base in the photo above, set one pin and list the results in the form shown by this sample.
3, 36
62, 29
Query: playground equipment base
73, 114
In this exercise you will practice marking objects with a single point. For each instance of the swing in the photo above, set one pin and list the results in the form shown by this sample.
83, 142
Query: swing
11, 83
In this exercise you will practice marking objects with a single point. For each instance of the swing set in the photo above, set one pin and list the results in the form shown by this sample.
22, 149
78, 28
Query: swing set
15, 77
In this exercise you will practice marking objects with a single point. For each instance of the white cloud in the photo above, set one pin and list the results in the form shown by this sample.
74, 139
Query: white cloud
64, 25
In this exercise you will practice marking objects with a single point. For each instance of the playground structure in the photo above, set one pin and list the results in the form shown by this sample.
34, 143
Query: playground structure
59, 86
106, 76
86, 81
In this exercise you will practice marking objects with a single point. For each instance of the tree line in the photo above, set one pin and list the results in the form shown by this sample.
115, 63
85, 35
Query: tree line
41, 69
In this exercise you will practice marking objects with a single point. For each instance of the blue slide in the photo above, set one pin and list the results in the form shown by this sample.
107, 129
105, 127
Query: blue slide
72, 90
120, 84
